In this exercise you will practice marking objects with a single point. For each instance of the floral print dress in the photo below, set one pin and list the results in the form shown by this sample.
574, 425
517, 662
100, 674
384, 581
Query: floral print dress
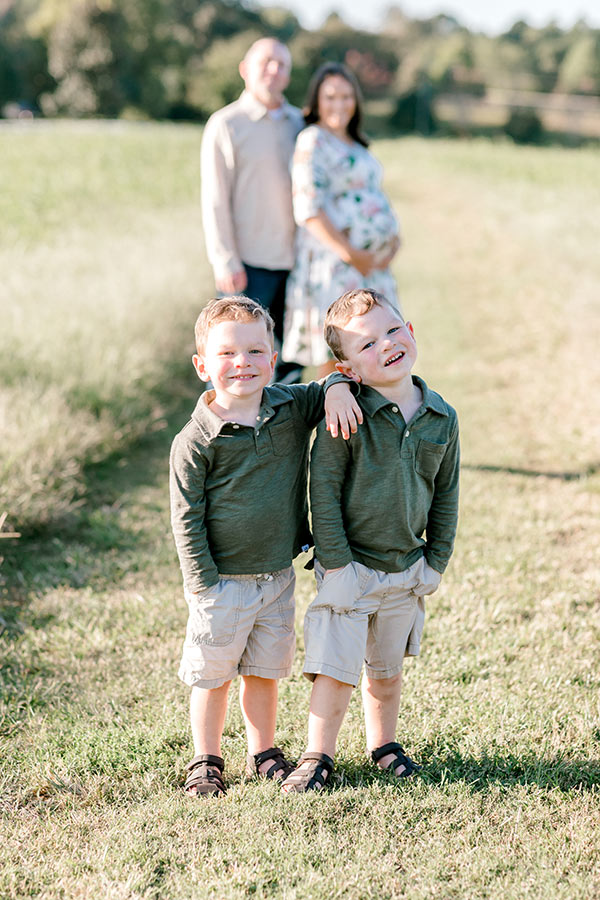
343, 180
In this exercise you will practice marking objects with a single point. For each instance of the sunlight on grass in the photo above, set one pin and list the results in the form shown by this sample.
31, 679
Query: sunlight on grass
499, 274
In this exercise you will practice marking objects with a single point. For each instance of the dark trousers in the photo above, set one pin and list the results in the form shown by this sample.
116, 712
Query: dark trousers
267, 287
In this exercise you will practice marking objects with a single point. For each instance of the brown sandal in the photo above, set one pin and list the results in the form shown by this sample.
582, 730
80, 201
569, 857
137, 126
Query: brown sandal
310, 777
280, 769
203, 778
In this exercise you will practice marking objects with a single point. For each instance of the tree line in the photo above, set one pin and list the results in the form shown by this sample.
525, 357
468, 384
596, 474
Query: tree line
177, 59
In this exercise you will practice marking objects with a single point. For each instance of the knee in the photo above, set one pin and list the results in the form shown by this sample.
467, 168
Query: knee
384, 687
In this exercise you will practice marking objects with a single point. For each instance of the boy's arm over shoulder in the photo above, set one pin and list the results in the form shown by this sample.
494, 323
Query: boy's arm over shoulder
443, 514
188, 468
329, 462
342, 412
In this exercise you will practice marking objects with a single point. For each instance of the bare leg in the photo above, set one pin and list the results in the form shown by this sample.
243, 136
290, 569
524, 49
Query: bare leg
208, 708
328, 704
381, 702
258, 700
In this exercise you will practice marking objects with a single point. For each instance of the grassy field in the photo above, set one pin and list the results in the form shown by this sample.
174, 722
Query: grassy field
103, 271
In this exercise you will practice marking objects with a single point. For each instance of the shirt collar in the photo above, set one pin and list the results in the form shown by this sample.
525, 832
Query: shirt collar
211, 424
257, 110
372, 401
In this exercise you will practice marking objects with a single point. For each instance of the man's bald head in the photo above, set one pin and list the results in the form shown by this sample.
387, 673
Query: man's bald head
266, 71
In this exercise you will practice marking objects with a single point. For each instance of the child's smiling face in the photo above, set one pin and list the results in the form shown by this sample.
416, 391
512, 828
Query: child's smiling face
238, 358
379, 347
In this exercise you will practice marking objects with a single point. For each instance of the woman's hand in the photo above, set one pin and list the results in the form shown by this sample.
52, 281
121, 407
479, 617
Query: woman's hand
362, 260
384, 261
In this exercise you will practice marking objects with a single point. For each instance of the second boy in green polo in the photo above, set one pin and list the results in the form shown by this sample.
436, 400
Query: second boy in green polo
384, 514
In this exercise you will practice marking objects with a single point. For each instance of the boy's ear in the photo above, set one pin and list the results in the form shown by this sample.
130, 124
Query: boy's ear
199, 367
348, 371
411, 329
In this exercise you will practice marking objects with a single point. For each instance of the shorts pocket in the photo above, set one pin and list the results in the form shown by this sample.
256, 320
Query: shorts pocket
429, 458
214, 614
338, 590
427, 580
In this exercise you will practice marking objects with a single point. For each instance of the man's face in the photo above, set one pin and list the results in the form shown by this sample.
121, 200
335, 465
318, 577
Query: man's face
238, 358
266, 71
379, 347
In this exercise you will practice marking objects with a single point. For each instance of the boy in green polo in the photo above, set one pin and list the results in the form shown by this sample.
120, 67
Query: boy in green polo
384, 513
239, 515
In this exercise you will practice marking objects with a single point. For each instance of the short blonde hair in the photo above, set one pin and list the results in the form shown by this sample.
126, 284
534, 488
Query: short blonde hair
350, 304
235, 308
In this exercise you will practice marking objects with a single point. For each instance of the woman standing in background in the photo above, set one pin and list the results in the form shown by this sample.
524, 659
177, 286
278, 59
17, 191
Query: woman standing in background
348, 233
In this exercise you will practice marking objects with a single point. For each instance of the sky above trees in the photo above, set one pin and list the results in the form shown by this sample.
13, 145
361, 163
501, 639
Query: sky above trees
490, 17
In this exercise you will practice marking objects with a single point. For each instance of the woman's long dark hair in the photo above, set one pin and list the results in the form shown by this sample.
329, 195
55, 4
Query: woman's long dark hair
311, 107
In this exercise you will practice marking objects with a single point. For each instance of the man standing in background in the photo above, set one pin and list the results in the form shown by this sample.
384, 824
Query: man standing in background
246, 187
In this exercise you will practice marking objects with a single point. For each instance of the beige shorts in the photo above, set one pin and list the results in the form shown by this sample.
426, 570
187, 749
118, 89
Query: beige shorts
362, 614
244, 625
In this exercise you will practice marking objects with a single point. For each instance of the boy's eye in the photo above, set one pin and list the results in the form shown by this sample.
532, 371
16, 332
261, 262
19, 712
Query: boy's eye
367, 345
395, 328
256, 351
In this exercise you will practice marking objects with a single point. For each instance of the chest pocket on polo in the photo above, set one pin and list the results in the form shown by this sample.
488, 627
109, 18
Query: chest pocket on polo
429, 458
283, 437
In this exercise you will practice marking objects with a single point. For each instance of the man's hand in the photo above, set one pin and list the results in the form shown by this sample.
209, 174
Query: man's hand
342, 410
232, 284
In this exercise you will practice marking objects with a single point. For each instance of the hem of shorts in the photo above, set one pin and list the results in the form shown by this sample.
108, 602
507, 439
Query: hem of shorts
380, 674
312, 669
413, 650
188, 677
263, 672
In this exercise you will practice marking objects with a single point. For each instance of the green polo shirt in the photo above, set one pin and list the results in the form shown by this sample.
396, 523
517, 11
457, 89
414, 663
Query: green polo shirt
239, 493
389, 494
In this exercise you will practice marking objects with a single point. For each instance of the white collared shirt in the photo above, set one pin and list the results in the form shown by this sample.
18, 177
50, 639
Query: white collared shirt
246, 185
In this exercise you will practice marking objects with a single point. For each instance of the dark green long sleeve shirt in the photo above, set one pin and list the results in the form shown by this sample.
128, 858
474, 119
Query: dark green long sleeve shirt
389, 494
239, 500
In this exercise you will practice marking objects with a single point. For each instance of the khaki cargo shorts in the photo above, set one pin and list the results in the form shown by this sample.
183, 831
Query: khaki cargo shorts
362, 614
243, 625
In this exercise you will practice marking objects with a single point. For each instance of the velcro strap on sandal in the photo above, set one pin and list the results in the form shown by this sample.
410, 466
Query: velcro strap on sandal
208, 759
392, 747
264, 755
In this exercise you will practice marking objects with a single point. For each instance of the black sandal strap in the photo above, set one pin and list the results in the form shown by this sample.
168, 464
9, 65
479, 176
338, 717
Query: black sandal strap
401, 759
280, 765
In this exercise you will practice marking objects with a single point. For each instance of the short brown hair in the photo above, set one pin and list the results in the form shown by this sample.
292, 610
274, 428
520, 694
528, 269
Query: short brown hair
352, 303
232, 308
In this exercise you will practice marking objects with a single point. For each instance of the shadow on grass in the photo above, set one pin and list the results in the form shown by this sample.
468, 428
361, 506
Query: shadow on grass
587, 472
478, 773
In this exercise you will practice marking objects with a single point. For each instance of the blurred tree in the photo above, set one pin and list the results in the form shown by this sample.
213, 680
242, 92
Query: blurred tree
579, 71
24, 72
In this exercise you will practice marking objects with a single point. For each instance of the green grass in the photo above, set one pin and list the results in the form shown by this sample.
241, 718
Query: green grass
498, 273
103, 274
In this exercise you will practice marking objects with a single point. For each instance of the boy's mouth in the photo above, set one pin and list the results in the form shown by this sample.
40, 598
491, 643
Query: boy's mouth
243, 377
394, 358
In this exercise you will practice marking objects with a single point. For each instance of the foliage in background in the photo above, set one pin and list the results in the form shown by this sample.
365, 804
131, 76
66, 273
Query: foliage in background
178, 60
